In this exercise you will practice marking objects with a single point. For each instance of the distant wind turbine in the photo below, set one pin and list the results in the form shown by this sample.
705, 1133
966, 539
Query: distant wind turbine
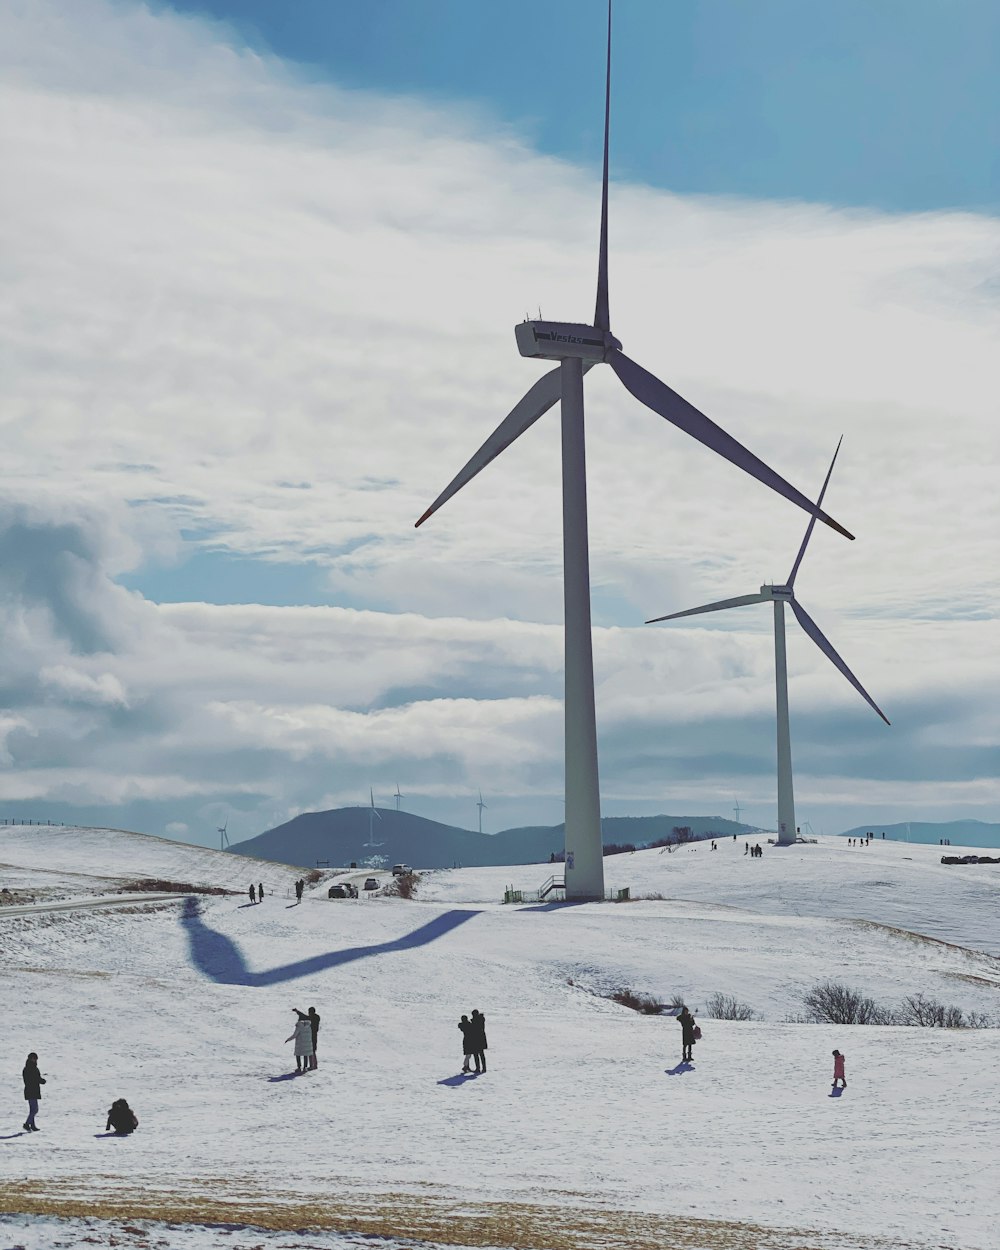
397, 796
480, 805
373, 814
223, 836
736, 809
578, 348
780, 595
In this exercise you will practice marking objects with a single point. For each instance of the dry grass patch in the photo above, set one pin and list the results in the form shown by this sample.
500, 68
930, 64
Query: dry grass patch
448, 1220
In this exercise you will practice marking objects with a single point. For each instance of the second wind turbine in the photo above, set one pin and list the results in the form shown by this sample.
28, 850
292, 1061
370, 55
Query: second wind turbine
779, 596
577, 348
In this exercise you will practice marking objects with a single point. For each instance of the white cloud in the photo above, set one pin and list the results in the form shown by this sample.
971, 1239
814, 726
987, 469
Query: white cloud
278, 315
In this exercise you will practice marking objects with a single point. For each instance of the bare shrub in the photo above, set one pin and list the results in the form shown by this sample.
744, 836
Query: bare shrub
312, 876
644, 1003
830, 1002
928, 1013
403, 886
726, 1007
676, 1002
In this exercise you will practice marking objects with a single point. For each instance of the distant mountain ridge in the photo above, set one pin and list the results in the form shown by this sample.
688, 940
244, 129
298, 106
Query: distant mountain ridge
341, 836
961, 832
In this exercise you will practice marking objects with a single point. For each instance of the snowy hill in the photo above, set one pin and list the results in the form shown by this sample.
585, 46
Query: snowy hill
585, 1131
967, 833
58, 861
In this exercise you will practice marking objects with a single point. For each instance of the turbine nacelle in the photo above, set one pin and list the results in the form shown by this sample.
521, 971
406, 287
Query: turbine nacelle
560, 340
777, 592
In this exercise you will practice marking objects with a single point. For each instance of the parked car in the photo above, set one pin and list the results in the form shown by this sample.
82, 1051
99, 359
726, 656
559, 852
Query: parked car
401, 870
371, 883
343, 889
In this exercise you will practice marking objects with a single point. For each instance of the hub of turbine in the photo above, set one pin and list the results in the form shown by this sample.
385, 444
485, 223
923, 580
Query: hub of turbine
560, 340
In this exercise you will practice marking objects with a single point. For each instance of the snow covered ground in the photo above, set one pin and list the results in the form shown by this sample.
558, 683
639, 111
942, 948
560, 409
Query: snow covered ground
585, 1131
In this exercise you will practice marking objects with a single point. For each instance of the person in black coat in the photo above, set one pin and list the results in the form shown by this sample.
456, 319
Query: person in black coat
465, 1024
33, 1082
478, 1038
687, 1022
122, 1118
260, 892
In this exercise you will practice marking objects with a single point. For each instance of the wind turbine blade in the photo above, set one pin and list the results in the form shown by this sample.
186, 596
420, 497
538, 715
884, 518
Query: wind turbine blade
658, 397
816, 634
812, 520
535, 404
602, 317
740, 602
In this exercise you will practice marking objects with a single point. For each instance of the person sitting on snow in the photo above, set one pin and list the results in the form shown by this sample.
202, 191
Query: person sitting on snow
122, 1118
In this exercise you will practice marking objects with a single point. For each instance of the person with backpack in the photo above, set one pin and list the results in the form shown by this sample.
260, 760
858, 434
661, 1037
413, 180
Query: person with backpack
33, 1082
689, 1034
121, 1118
478, 1039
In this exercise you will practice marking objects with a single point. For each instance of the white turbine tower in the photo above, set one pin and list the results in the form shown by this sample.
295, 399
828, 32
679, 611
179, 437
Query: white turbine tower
223, 836
373, 814
578, 348
737, 810
779, 596
480, 805
397, 796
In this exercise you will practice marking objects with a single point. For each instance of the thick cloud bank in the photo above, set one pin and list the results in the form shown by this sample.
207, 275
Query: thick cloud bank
273, 318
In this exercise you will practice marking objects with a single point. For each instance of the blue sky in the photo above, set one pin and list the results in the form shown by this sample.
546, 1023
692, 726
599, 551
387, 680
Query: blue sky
892, 104
260, 313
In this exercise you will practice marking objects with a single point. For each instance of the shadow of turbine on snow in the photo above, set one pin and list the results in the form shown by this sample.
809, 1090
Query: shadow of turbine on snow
220, 959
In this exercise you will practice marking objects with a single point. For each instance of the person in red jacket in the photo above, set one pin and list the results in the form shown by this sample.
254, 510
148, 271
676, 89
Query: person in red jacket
838, 1069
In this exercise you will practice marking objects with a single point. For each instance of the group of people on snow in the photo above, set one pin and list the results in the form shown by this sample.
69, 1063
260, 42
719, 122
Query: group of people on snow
473, 1041
121, 1118
257, 892
305, 1035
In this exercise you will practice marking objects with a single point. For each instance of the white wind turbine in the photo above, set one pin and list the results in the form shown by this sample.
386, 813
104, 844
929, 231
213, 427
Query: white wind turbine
480, 805
373, 813
223, 836
578, 348
397, 796
779, 596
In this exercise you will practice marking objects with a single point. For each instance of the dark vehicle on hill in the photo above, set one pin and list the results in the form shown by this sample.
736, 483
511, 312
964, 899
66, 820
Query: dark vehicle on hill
371, 883
343, 889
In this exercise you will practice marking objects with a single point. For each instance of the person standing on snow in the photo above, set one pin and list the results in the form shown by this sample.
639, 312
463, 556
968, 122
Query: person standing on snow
687, 1022
478, 1038
33, 1082
298, 891
313, 1017
253, 894
302, 1036
260, 892
838, 1069
465, 1024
